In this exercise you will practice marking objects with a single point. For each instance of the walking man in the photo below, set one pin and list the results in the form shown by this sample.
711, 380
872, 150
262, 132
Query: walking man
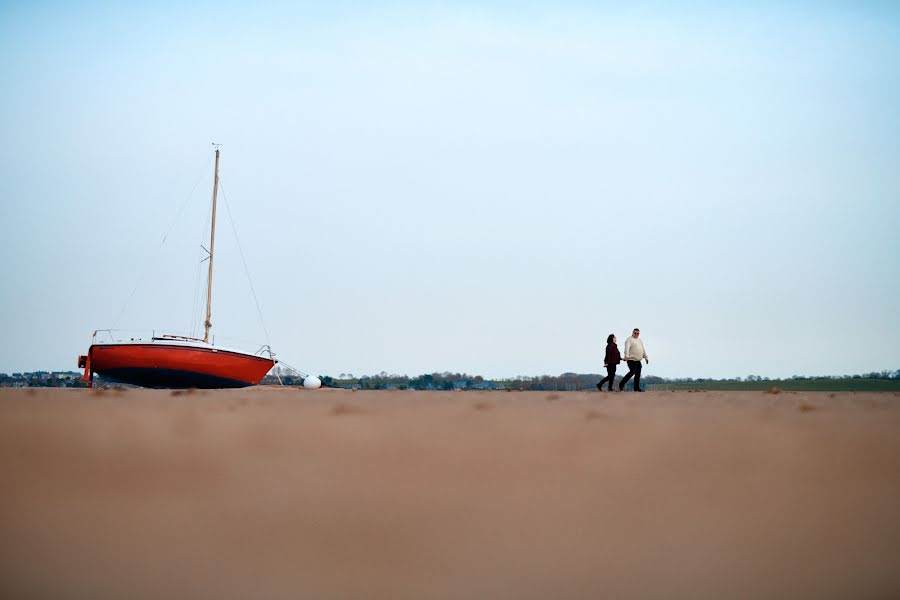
634, 352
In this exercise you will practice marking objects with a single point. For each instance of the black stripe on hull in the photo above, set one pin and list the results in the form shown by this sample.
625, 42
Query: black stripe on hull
170, 378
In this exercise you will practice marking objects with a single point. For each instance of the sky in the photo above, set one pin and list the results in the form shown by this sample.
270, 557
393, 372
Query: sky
485, 187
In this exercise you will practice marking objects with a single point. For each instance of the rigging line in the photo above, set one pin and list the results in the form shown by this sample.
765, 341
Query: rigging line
246, 270
294, 369
194, 316
155, 254
195, 305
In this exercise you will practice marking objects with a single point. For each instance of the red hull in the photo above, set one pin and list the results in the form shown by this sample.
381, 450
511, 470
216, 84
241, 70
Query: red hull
164, 365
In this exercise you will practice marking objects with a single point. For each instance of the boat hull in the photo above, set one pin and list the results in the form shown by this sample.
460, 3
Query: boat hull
176, 366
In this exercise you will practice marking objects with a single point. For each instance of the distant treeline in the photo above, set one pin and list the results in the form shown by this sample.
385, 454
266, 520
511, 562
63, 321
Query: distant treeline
890, 380
42, 379
874, 381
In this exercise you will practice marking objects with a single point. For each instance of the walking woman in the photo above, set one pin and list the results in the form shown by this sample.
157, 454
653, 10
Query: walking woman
613, 358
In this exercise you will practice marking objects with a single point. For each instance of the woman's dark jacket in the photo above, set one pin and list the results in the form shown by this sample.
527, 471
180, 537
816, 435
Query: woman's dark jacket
612, 355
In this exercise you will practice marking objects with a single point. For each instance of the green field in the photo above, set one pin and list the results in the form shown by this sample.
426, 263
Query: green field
795, 385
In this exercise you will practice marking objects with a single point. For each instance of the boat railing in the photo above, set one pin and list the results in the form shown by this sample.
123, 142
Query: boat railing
137, 335
122, 335
265, 350
246, 345
184, 338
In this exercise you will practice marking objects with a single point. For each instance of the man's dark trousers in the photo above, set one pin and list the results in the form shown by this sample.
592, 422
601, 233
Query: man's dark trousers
634, 370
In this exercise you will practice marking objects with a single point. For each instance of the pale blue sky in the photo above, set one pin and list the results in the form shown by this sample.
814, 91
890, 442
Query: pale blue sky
481, 187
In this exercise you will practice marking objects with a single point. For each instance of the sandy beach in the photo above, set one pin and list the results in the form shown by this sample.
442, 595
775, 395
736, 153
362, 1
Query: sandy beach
283, 493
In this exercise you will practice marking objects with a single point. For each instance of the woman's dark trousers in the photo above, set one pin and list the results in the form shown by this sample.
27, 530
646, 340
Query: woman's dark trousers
610, 377
634, 370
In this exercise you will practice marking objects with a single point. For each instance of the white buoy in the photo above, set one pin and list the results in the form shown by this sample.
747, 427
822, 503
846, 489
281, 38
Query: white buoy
312, 382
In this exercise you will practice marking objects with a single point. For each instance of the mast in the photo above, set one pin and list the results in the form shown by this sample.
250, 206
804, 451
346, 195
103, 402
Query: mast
212, 243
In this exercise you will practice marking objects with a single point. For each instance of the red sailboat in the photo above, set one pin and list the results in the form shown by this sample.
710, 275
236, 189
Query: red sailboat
172, 361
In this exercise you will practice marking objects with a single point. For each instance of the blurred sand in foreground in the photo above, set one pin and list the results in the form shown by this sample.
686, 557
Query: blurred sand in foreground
285, 494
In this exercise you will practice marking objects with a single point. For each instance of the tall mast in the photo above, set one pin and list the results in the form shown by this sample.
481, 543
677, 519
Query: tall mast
212, 244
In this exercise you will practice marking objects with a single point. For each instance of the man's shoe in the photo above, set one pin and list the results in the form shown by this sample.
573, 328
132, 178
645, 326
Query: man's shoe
599, 388
621, 388
639, 390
